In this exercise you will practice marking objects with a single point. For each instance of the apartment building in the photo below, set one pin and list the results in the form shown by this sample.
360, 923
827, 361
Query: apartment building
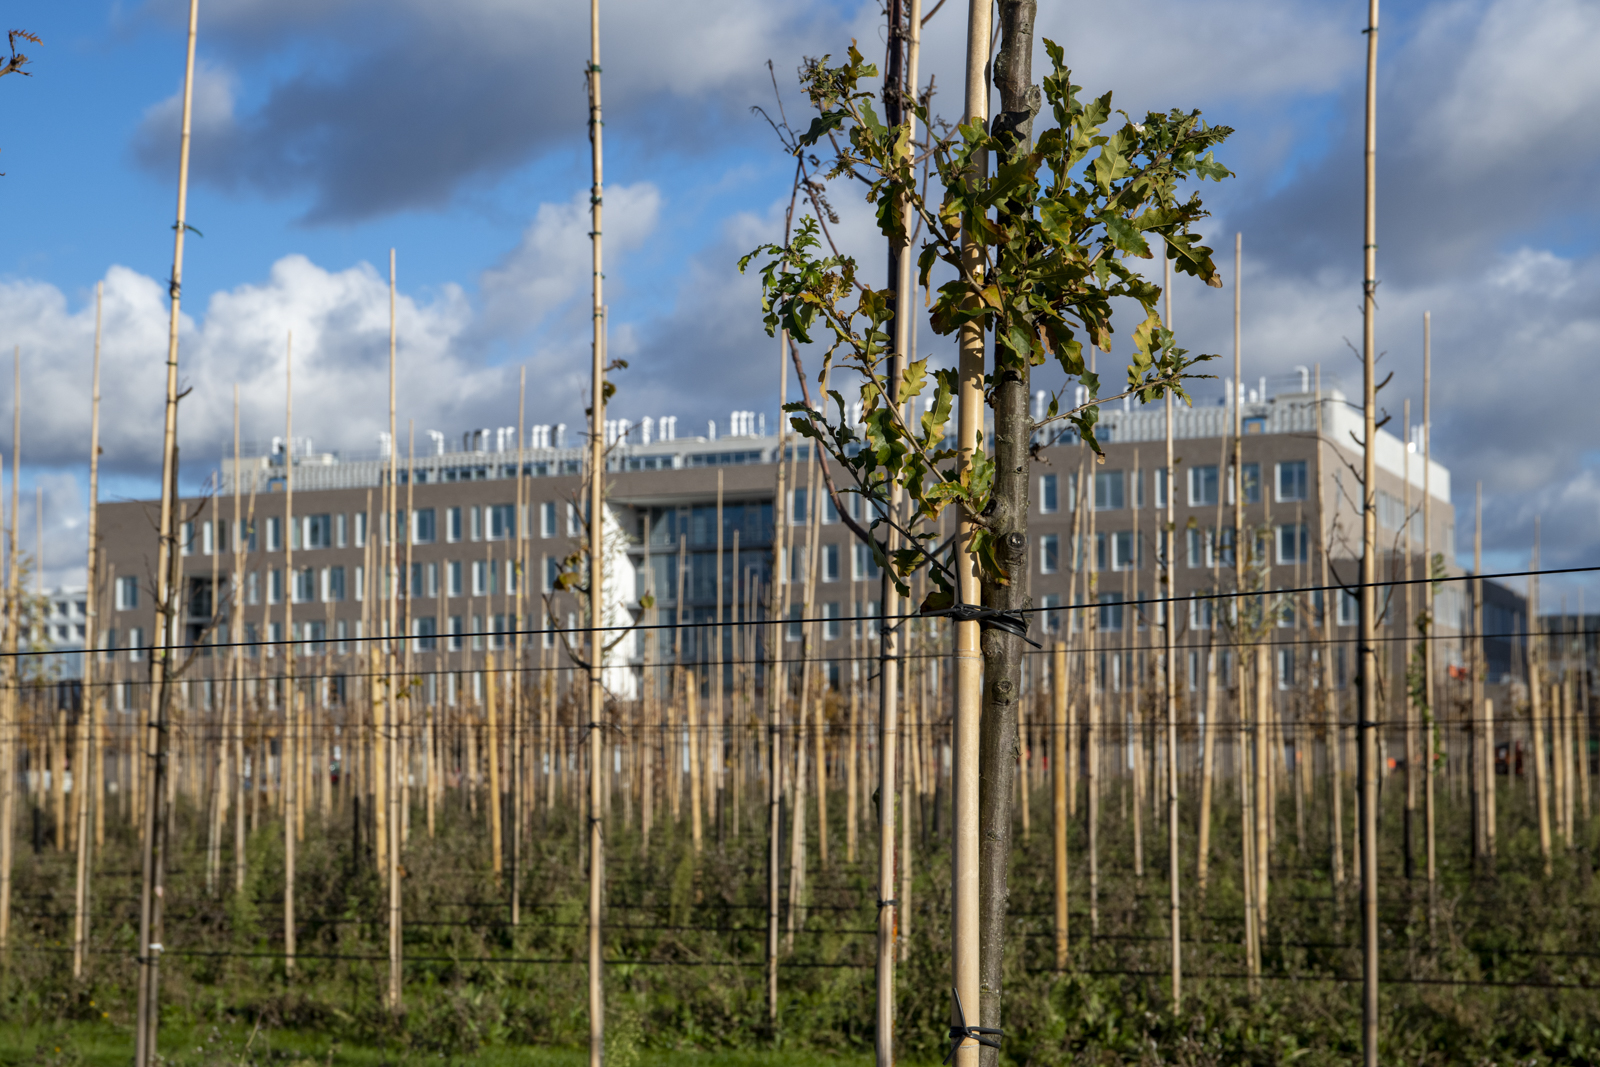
317, 566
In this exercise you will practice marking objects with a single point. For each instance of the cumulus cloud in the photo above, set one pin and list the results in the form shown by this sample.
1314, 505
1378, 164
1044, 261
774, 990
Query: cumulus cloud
410, 100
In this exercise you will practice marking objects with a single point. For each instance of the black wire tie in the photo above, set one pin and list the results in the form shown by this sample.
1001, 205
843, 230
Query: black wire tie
961, 1031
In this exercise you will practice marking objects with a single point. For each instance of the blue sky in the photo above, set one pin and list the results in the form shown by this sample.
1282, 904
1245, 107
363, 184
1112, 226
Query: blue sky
328, 131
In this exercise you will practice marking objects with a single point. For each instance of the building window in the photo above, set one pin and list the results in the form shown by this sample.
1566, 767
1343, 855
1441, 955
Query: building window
341, 536
1110, 611
274, 586
305, 585
361, 529
1123, 548
552, 573
830, 563
502, 519
1049, 503
574, 521
1202, 486
1160, 475
1052, 618
832, 628
1198, 543
135, 644
361, 585
452, 578
274, 534
1292, 481
424, 526
1109, 491
797, 507
333, 586
1349, 608
796, 628
186, 538
426, 629
1292, 543
1049, 553
127, 593
1250, 479
866, 569
456, 629
1285, 668
319, 531
475, 522
480, 578
1202, 613
547, 519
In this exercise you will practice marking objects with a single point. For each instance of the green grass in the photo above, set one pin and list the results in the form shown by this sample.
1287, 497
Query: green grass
1511, 925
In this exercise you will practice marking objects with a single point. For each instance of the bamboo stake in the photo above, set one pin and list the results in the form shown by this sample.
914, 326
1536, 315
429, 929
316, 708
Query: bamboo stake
88, 796
491, 682
291, 707
1169, 654
1541, 772
234, 657
389, 590
1058, 785
1369, 568
147, 1021
597, 481
897, 82
691, 693
964, 903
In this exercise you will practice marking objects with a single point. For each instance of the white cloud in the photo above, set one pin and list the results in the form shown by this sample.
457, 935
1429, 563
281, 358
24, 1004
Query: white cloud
552, 263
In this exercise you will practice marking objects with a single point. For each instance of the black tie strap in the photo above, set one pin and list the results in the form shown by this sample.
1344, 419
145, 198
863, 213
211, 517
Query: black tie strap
961, 1031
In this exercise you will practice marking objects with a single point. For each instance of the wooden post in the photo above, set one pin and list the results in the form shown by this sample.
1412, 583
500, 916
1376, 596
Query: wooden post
492, 730
965, 840
83, 787
1541, 766
1367, 727
290, 752
1428, 715
1169, 654
1058, 783
597, 501
389, 592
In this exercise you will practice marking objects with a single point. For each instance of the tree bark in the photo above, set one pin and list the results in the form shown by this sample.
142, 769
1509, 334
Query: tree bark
1008, 521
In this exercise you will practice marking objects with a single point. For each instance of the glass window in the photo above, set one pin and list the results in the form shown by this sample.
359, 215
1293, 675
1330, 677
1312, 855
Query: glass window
796, 629
797, 507
1292, 547
502, 521
832, 628
1049, 553
274, 534
830, 514
361, 529
547, 519
335, 590
1051, 619
1048, 501
574, 527
186, 538
866, 569
1292, 480
830, 563
1122, 550
1109, 489
341, 532
452, 578
1202, 486
1199, 545
426, 628
319, 531
552, 573
135, 643
127, 593
1349, 608
305, 585
1110, 611
274, 586
1201, 613
1250, 479
424, 526
1285, 668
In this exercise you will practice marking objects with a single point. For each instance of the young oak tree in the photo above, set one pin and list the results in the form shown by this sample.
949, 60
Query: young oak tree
1038, 251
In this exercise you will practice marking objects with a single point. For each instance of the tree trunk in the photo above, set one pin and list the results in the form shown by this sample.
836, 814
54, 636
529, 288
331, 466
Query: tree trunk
1008, 522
